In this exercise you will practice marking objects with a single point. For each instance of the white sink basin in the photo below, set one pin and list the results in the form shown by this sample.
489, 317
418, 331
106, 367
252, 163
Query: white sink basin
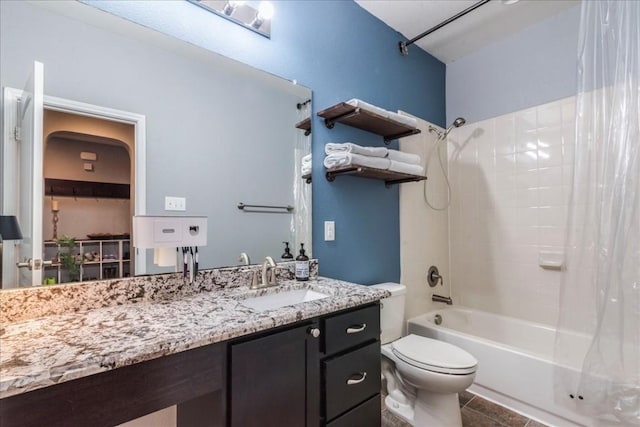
281, 299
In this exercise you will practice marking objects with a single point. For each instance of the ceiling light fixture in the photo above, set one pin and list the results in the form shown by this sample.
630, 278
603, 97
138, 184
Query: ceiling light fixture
265, 13
238, 12
230, 6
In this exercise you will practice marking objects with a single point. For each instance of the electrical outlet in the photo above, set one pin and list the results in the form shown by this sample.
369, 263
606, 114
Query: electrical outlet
175, 204
329, 231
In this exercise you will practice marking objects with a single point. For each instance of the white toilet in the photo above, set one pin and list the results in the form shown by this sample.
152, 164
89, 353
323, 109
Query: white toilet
423, 375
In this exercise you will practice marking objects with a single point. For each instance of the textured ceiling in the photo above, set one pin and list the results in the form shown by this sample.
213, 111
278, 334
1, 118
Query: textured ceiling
490, 22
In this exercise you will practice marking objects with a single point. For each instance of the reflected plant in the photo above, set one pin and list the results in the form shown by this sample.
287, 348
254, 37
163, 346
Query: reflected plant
70, 262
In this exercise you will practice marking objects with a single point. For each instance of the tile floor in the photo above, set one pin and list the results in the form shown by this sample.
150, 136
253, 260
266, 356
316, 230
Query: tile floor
476, 412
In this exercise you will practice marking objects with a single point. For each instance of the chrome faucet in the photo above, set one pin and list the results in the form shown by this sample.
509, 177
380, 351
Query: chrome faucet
439, 298
269, 272
244, 258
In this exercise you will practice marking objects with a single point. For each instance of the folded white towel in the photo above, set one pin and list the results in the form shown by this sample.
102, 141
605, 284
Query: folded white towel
366, 106
346, 159
409, 168
400, 156
349, 147
405, 120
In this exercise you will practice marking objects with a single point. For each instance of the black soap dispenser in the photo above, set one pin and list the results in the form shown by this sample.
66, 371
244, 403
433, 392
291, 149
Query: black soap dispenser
302, 265
287, 255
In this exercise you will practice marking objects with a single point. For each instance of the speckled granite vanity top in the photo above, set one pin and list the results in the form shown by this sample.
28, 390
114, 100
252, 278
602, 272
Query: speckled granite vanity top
43, 351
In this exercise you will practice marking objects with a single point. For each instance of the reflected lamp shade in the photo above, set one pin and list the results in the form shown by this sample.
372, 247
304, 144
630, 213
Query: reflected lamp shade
9, 228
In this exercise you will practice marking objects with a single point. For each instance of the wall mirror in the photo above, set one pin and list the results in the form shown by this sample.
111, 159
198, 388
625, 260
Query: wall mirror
208, 129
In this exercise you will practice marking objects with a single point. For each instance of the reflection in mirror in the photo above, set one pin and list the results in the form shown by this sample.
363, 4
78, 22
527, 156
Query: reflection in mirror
217, 133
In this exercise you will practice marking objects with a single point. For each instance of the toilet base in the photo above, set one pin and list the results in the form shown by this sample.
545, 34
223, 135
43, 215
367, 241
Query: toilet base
401, 410
427, 410
435, 409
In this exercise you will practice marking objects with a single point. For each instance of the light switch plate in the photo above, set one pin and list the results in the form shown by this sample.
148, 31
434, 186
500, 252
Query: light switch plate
329, 231
175, 204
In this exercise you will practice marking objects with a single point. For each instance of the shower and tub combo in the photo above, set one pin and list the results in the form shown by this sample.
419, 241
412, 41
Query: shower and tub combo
585, 370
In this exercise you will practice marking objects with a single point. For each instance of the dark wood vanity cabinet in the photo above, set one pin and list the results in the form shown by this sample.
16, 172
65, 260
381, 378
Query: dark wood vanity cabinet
273, 379
291, 377
350, 368
315, 373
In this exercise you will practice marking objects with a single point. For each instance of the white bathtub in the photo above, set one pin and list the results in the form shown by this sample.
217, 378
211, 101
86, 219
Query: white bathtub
515, 360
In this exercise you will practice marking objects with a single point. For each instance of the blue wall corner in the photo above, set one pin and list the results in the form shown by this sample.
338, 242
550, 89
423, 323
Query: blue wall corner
340, 51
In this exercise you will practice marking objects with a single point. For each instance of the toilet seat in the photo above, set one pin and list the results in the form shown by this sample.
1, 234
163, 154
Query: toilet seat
433, 355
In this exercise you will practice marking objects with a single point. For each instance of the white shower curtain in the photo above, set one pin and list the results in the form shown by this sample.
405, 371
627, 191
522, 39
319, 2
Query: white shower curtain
600, 295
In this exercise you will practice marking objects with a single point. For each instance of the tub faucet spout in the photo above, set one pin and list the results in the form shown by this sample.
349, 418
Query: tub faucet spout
440, 298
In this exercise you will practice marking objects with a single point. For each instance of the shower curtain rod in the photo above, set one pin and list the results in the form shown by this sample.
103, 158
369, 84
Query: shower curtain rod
404, 45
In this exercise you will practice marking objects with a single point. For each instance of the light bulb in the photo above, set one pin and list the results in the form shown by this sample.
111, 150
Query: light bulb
231, 6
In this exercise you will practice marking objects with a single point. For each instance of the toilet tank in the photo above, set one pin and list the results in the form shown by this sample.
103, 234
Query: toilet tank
391, 311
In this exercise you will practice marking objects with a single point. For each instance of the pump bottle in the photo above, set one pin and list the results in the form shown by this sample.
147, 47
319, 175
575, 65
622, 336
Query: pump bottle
302, 265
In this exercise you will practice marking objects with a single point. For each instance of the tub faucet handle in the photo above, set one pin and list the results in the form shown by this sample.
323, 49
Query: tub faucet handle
433, 276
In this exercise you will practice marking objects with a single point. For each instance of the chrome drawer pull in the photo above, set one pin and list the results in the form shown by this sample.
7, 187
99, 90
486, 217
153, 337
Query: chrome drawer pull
355, 330
357, 381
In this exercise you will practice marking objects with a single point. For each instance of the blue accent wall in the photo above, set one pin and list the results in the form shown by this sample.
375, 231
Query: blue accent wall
532, 67
340, 51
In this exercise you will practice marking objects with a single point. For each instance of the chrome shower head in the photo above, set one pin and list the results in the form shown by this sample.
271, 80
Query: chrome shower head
459, 122
456, 124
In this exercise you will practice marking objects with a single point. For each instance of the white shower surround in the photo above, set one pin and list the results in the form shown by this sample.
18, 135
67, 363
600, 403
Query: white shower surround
424, 233
510, 178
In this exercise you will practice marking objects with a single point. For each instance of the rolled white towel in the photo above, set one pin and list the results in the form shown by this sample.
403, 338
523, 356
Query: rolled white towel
305, 170
346, 159
369, 107
400, 156
306, 159
405, 120
406, 168
349, 147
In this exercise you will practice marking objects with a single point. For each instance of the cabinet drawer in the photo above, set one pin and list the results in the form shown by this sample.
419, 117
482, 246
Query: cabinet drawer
367, 414
352, 328
351, 379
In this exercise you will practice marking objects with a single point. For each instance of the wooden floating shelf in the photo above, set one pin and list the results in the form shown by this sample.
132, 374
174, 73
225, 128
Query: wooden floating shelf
366, 120
86, 189
389, 177
305, 125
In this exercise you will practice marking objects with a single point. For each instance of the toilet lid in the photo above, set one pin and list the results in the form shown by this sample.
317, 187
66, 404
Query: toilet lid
434, 355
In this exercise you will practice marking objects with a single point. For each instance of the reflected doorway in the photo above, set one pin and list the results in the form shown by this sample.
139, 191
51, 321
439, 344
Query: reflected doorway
22, 190
88, 170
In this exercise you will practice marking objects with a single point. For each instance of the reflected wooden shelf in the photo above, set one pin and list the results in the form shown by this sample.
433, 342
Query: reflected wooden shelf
307, 178
305, 125
366, 120
389, 177
86, 189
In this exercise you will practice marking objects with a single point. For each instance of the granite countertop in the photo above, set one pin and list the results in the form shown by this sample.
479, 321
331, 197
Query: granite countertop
45, 351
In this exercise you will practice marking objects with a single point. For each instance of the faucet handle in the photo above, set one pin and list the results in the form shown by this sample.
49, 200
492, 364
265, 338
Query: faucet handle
273, 279
255, 282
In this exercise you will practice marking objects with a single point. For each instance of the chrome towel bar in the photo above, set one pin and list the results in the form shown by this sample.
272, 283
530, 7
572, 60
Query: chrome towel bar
287, 208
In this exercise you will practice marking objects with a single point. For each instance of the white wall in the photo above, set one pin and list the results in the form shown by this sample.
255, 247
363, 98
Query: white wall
510, 179
424, 233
